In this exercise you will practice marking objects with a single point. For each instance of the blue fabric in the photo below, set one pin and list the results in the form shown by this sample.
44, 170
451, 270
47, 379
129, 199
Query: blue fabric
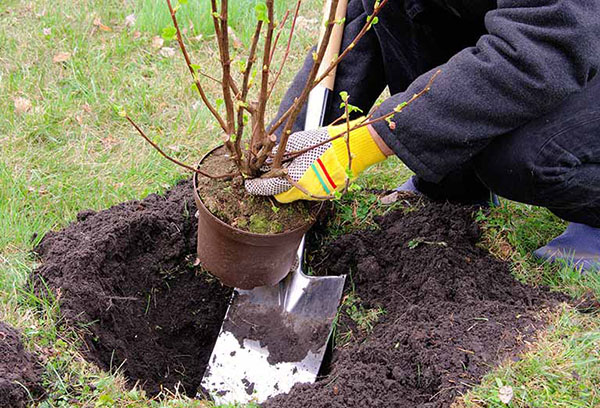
579, 246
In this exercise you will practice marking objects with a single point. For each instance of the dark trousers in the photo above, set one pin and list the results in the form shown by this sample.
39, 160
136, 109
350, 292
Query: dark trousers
553, 161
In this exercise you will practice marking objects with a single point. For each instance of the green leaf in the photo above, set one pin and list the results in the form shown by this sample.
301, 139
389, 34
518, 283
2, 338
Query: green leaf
413, 243
169, 33
354, 188
183, 1
399, 107
196, 67
262, 12
120, 110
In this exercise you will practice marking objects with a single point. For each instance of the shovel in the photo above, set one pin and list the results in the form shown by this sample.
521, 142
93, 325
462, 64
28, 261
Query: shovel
275, 337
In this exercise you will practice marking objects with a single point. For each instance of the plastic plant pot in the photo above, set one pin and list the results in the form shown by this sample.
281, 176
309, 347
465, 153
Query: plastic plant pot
243, 259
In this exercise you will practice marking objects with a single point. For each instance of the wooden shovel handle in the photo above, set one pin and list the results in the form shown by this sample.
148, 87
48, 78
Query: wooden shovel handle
335, 42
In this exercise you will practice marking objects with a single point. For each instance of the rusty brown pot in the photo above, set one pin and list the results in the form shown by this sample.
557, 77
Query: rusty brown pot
243, 259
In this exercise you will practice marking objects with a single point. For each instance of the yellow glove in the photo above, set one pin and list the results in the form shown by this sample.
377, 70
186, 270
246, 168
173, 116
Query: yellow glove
323, 170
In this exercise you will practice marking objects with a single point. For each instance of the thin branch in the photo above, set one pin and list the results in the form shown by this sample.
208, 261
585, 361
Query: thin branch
177, 162
226, 65
347, 110
305, 191
245, 90
367, 120
188, 61
279, 31
351, 46
331, 67
287, 50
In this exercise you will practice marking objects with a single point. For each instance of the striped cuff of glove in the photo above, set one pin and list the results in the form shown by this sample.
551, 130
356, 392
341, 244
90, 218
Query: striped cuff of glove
365, 151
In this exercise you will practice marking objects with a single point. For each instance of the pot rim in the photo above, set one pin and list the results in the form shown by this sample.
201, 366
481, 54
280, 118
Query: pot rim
240, 231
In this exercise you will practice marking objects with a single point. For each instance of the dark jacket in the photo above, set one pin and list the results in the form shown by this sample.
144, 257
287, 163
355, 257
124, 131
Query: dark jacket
533, 54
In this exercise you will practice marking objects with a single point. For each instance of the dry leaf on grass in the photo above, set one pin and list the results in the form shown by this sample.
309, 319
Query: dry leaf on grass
237, 44
108, 142
157, 42
22, 105
167, 52
61, 57
98, 23
505, 394
130, 20
390, 198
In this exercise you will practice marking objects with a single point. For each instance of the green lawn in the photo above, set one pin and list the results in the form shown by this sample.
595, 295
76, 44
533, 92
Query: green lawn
63, 149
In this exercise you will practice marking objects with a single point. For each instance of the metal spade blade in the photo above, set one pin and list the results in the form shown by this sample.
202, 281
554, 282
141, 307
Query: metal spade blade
273, 338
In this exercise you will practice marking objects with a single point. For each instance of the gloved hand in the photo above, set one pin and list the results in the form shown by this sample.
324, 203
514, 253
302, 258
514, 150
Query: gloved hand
322, 170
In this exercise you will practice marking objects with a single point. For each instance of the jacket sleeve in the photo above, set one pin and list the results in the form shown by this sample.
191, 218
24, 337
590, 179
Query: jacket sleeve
536, 53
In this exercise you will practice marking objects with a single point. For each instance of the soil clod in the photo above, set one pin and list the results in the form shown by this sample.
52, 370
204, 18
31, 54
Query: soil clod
20, 371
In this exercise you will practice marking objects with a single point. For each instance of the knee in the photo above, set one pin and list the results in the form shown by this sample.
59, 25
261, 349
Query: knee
523, 171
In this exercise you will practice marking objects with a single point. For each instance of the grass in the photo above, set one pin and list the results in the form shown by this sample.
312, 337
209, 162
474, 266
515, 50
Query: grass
70, 152
153, 17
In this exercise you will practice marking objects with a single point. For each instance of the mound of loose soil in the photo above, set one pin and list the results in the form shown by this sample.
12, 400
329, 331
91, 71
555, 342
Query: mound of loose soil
229, 201
451, 312
125, 277
20, 371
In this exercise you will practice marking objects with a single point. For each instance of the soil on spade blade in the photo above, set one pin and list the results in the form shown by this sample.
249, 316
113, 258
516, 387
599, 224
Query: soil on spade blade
20, 371
229, 201
125, 278
443, 312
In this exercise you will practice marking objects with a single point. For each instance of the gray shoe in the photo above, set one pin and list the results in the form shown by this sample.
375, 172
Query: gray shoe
578, 246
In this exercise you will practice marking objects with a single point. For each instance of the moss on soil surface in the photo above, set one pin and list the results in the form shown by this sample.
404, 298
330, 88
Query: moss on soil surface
229, 201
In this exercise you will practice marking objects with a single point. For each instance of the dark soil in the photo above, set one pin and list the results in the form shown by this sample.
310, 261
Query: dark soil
125, 277
229, 201
288, 338
452, 312
20, 371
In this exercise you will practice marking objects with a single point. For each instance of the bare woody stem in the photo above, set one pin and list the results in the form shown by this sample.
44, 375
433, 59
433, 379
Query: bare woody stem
258, 133
305, 191
279, 31
333, 64
351, 46
245, 90
295, 109
177, 162
347, 137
